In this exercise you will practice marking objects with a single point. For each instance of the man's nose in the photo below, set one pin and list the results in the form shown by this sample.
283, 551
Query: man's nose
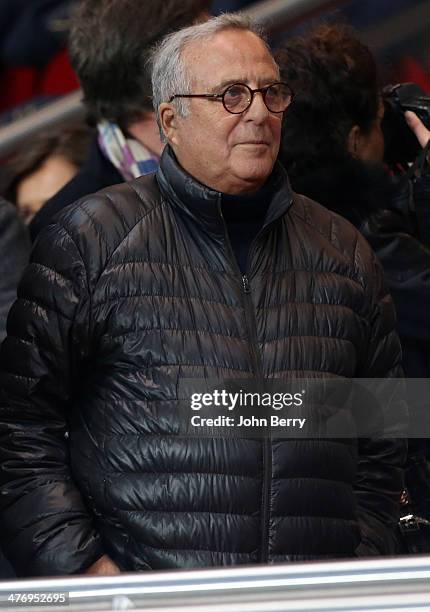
258, 110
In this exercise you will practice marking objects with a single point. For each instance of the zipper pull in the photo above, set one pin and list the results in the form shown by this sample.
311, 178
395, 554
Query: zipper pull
245, 283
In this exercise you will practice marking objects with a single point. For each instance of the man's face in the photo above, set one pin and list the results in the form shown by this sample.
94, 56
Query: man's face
229, 153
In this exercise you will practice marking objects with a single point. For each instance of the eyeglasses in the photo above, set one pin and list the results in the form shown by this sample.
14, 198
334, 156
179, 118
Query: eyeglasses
237, 98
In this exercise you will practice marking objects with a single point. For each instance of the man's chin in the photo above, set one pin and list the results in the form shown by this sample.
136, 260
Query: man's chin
258, 171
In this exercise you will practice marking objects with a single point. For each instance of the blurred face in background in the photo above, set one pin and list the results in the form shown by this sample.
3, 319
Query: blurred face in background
368, 146
40, 185
231, 153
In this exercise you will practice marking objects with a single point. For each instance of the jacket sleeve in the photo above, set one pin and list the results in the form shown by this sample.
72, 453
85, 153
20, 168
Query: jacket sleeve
46, 528
381, 458
421, 204
406, 263
401, 242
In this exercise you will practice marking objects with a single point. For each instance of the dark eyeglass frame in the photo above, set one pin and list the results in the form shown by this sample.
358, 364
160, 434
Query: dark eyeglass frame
262, 90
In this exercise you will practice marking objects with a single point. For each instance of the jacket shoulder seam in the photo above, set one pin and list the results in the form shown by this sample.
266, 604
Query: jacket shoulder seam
69, 234
306, 219
130, 229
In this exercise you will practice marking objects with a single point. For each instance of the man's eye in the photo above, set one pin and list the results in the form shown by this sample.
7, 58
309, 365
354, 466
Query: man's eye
234, 92
235, 97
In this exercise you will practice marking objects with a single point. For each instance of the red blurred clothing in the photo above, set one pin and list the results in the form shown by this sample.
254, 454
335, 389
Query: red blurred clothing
21, 84
411, 70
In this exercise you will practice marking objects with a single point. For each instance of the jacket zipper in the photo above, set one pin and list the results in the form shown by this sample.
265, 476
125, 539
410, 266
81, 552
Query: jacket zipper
258, 370
267, 444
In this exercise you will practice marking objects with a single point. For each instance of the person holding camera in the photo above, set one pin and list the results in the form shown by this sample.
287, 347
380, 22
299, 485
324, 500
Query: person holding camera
333, 148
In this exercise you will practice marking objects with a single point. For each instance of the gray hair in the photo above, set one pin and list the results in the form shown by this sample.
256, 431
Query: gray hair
170, 75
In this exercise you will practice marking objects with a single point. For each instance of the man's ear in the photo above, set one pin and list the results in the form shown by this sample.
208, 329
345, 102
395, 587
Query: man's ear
353, 141
169, 121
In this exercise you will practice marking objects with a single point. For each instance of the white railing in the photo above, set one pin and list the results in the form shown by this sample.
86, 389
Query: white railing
401, 584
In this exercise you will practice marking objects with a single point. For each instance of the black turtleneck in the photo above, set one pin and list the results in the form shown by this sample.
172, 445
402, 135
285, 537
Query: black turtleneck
244, 216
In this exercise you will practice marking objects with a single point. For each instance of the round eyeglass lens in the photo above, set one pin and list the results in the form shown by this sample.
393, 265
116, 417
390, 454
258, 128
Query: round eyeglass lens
278, 97
237, 98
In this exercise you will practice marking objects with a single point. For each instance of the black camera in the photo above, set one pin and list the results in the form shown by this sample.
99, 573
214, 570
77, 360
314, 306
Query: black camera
401, 145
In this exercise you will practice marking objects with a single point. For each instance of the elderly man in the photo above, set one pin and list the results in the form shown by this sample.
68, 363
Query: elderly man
153, 282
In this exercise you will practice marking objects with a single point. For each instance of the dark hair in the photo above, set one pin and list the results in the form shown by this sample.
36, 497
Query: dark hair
110, 45
335, 79
69, 141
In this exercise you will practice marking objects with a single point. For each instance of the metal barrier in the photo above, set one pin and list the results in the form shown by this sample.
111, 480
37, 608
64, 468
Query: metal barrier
273, 13
278, 15
397, 28
401, 584
67, 108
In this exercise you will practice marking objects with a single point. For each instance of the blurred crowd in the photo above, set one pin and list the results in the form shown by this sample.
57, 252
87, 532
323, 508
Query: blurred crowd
332, 146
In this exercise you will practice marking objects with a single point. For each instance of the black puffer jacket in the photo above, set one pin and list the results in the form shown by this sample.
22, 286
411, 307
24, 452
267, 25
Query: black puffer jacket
135, 289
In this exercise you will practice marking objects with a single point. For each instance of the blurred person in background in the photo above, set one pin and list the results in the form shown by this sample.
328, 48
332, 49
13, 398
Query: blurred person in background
34, 63
333, 148
110, 44
42, 167
209, 268
14, 253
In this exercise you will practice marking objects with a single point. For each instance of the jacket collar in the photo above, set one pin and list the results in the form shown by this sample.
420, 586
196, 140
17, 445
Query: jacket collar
203, 204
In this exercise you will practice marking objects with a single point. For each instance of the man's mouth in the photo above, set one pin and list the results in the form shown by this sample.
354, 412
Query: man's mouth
255, 142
